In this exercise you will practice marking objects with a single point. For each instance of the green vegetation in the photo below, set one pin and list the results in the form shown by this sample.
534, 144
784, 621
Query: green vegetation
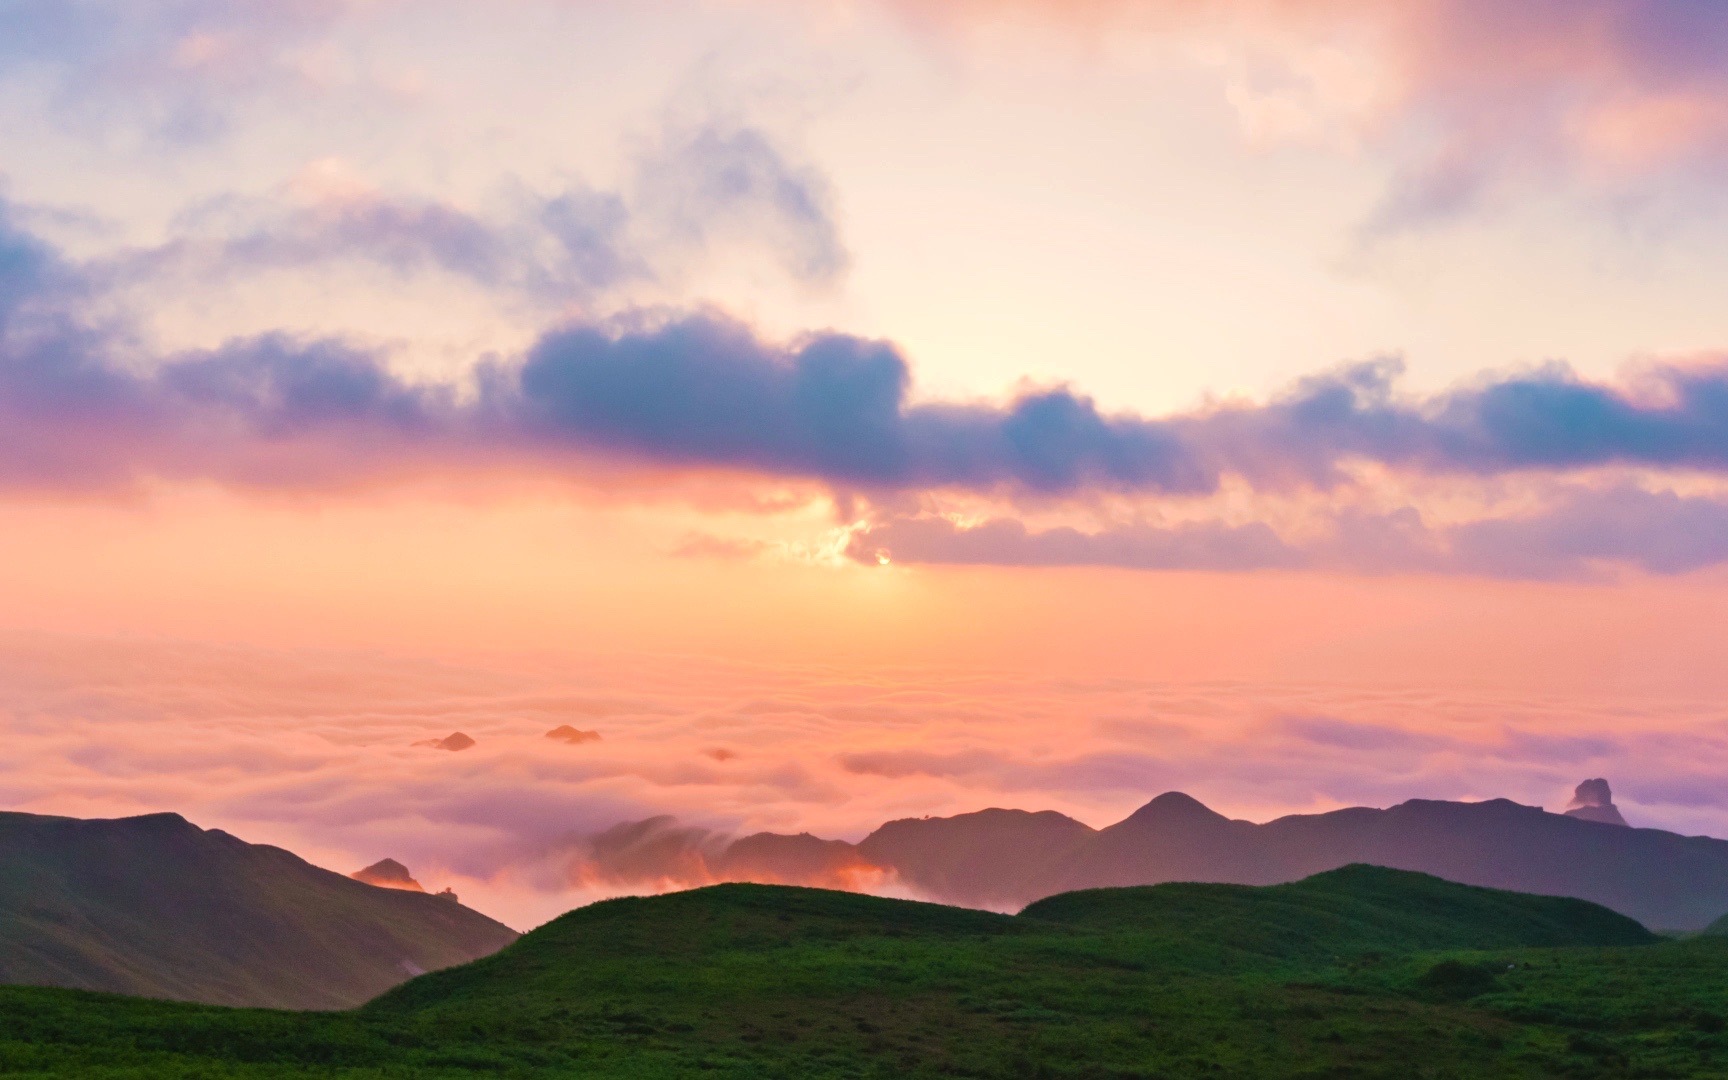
1361, 972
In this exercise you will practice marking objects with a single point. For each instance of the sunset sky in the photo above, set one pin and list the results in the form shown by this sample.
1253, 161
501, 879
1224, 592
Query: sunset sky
854, 409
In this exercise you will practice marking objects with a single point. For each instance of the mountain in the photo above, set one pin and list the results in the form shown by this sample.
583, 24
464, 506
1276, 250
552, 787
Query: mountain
388, 874
984, 859
1353, 908
1593, 801
774, 858
156, 906
1005, 859
1659, 878
1359, 972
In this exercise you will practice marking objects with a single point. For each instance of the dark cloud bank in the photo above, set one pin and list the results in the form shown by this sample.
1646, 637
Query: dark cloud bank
79, 410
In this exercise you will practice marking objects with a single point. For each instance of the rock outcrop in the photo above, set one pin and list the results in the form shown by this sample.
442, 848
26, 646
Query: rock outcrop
388, 874
1592, 801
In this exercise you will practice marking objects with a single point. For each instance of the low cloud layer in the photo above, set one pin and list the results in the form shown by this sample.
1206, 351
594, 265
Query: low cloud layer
311, 750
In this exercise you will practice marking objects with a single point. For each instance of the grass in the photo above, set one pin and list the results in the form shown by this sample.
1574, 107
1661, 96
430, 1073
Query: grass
1360, 973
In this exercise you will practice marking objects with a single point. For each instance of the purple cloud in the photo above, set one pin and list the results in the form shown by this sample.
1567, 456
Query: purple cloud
697, 189
1575, 537
80, 410
1468, 99
177, 67
1207, 546
1352, 735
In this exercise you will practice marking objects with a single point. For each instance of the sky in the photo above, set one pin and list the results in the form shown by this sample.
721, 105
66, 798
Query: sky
852, 410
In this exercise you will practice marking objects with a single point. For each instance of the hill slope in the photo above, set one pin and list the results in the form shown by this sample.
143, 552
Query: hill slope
156, 906
1362, 973
1353, 909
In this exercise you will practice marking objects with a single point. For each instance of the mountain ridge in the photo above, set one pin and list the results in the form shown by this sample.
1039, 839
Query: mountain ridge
156, 906
1005, 858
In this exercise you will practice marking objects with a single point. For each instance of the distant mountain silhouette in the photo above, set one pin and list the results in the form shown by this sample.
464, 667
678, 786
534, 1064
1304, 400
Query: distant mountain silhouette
1006, 859
157, 907
774, 858
1593, 801
986, 859
388, 874
456, 740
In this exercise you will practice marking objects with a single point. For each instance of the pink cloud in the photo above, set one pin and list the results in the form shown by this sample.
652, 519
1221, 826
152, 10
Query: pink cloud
1467, 94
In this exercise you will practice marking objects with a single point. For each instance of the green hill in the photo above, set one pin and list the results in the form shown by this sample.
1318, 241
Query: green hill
157, 907
1356, 907
1360, 972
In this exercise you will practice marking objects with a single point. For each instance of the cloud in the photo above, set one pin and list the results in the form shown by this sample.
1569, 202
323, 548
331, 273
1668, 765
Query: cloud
1668, 416
655, 852
697, 545
83, 408
703, 392
26, 265
1346, 735
454, 741
698, 192
310, 750
725, 183
568, 245
1206, 546
178, 67
1464, 97
1579, 532
660, 853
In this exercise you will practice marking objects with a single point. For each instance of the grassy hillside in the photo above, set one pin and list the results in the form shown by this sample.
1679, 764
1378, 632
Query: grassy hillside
156, 906
1359, 907
1356, 973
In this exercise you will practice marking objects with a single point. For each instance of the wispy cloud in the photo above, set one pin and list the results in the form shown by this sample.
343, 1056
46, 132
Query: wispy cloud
1577, 533
1465, 97
177, 68
694, 190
